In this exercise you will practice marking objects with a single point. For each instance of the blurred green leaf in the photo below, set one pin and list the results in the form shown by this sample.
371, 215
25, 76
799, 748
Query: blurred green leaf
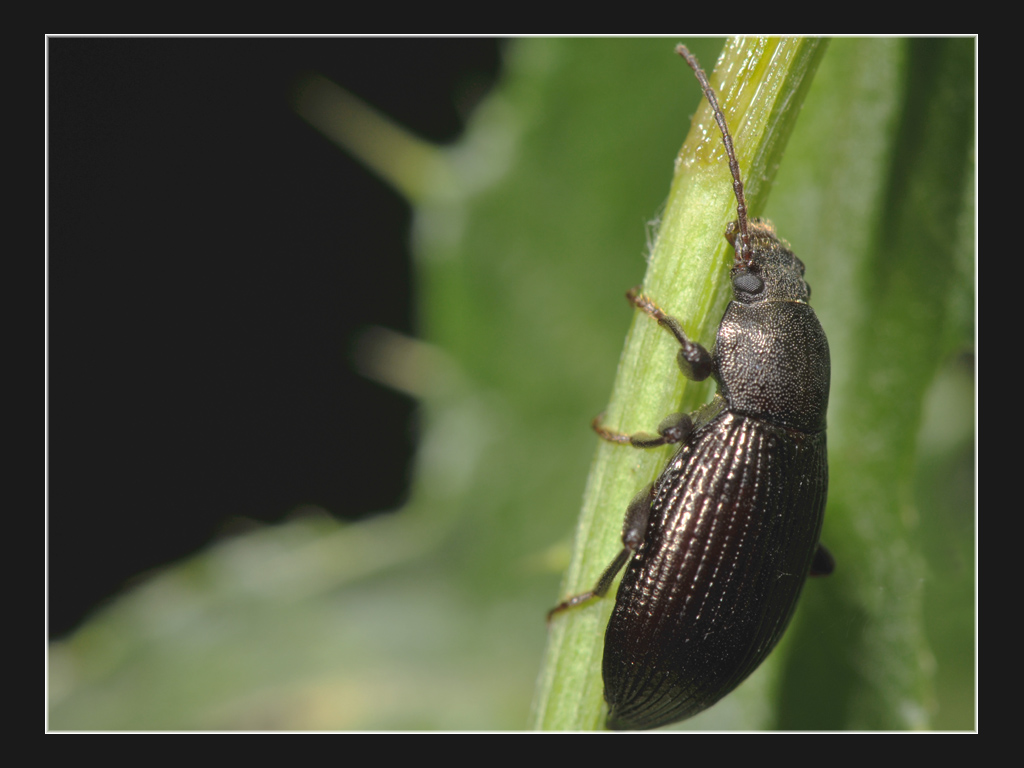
433, 617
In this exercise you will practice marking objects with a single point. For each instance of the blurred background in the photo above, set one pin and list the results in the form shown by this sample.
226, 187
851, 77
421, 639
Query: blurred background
212, 261
247, 530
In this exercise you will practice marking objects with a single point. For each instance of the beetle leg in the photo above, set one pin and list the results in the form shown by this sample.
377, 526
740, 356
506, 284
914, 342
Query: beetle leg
673, 429
823, 563
694, 361
633, 530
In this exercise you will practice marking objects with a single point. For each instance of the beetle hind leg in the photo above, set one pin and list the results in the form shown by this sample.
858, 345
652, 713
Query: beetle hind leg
823, 563
634, 528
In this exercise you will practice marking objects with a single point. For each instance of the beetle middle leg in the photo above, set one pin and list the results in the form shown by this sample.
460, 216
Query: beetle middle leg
673, 429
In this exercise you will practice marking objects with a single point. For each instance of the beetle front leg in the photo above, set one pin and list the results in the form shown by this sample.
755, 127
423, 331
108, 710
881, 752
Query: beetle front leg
694, 361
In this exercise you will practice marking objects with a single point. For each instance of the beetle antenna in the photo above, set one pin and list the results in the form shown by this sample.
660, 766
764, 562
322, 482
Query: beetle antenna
743, 249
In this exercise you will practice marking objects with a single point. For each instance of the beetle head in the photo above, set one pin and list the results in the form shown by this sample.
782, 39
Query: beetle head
769, 271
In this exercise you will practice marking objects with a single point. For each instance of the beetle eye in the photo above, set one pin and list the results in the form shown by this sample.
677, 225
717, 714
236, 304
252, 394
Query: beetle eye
748, 282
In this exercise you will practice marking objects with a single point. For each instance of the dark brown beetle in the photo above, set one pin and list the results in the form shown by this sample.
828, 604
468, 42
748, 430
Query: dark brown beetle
724, 539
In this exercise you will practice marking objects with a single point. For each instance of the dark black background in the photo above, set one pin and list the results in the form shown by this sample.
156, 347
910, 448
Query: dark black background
211, 260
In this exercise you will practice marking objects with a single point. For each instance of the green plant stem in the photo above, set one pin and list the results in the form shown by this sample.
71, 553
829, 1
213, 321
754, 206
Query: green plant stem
760, 93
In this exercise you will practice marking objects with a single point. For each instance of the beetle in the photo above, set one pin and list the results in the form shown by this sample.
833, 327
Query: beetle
717, 549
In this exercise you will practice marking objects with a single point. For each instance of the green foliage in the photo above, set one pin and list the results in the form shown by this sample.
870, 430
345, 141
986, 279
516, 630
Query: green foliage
433, 618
